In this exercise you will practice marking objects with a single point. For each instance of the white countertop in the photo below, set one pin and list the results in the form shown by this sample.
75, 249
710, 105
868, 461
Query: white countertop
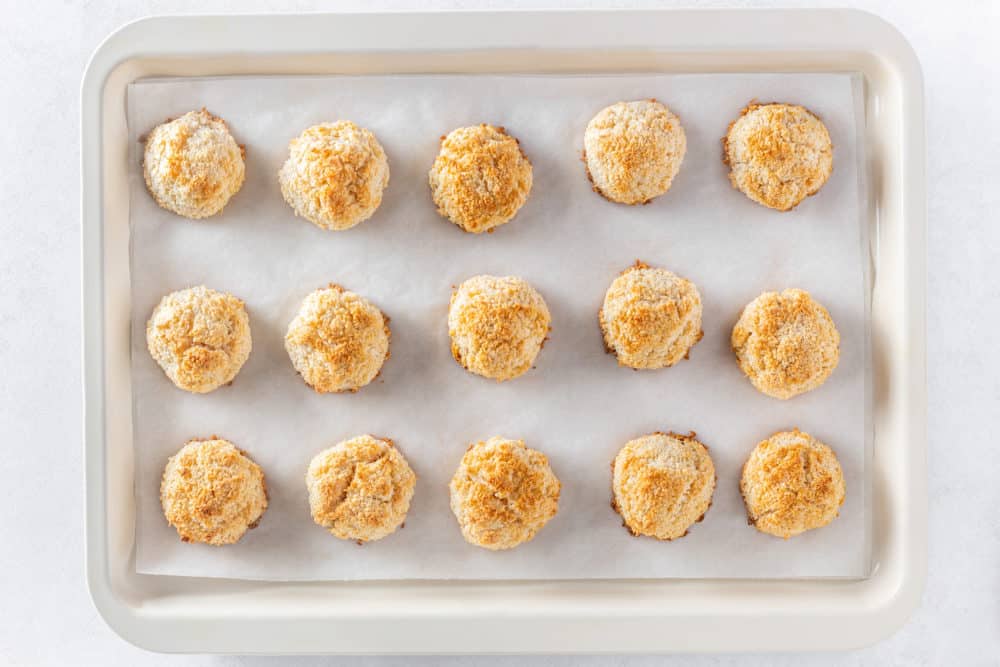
47, 614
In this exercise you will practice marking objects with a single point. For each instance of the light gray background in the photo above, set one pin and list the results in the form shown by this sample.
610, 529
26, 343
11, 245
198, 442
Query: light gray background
45, 614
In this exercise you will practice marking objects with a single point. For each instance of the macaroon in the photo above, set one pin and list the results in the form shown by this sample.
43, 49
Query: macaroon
792, 483
503, 493
778, 154
192, 165
786, 343
662, 484
633, 151
199, 337
497, 326
335, 175
360, 489
212, 492
651, 318
338, 341
481, 178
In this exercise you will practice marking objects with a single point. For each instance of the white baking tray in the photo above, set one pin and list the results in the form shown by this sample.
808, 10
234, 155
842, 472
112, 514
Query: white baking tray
199, 615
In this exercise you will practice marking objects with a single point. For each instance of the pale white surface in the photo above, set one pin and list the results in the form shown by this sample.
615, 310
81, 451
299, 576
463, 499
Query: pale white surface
48, 617
576, 405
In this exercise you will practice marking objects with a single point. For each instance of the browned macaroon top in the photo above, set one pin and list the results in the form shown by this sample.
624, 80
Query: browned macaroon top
503, 493
662, 484
360, 489
199, 337
786, 343
651, 317
212, 492
497, 326
481, 177
778, 154
338, 341
792, 483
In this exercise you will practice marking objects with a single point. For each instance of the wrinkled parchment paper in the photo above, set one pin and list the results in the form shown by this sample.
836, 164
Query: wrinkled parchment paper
577, 405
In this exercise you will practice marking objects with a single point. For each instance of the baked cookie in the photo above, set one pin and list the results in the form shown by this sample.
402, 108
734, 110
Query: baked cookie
651, 318
791, 483
199, 337
481, 178
497, 326
503, 493
786, 343
338, 341
212, 492
192, 165
360, 489
633, 151
778, 154
334, 175
662, 484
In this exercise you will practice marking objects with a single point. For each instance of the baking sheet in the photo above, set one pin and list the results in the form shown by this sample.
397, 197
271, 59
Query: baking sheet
577, 405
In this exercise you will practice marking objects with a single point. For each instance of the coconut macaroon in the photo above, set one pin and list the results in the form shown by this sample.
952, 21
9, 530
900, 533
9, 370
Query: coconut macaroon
481, 178
791, 483
778, 154
338, 341
360, 489
199, 337
192, 165
786, 343
503, 493
633, 151
334, 175
497, 326
662, 484
651, 318
212, 492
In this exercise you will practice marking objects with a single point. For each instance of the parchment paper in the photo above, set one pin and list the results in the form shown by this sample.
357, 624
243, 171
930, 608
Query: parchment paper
578, 406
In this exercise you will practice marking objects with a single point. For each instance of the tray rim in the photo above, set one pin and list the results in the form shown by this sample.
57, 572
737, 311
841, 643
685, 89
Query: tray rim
560, 616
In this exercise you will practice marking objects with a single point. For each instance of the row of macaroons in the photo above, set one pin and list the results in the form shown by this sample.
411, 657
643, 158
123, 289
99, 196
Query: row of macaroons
504, 492
785, 342
336, 172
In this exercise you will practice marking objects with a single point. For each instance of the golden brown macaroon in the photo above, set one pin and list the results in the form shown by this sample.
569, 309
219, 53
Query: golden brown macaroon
778, 154
360, 489
199, 337
481, 178
335, 175
338, 341
633, 151
212, 492
192, 165
503, 493
791, 483
662, 484
651, 318
497, 326
786, 343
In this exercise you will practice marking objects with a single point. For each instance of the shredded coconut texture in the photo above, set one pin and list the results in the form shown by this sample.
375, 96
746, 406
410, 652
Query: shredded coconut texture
633, 151
662, 484
199, 337
497, 326
503, 493
335, 175
360, 489
192, 165
212, 492
481, 178
651, 318
786, 343
338, 341
792, 483
778, 154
